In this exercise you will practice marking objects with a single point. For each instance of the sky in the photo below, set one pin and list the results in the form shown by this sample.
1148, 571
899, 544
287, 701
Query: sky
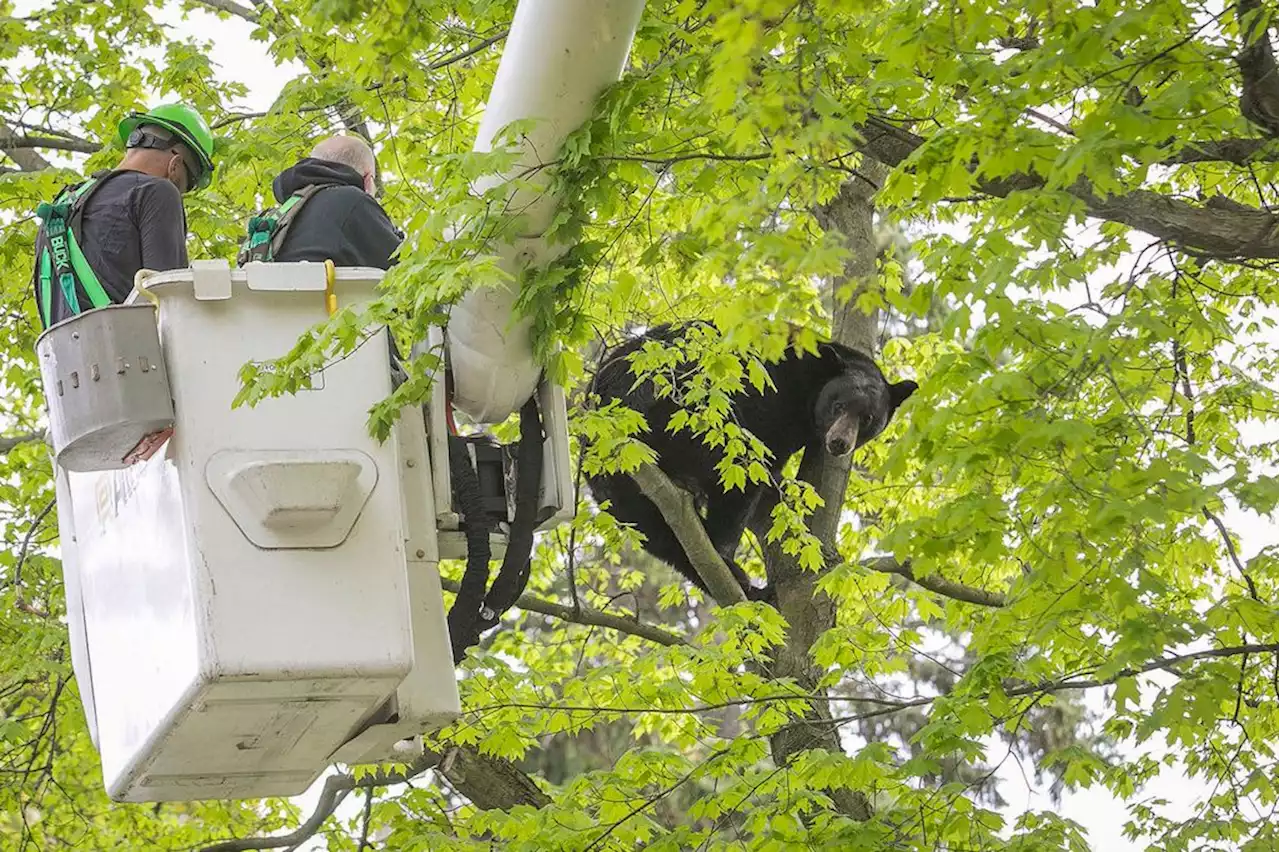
247, 61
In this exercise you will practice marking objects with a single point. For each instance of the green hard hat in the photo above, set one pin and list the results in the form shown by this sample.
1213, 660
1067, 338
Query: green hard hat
189, 127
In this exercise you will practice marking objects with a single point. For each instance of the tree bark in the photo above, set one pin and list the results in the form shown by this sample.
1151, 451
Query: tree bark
27, 159
491, 783
676, 506
808, 613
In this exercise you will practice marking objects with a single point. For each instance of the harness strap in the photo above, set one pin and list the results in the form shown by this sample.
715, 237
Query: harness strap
59, 254
268, 229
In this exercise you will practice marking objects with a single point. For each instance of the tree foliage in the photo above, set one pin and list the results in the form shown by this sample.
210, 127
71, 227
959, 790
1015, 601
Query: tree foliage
1042, 559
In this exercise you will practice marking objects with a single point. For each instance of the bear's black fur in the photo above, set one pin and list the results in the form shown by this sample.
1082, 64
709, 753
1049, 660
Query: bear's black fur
835, 401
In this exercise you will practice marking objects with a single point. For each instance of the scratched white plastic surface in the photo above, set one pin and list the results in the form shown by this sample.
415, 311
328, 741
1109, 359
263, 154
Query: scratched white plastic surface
219, 669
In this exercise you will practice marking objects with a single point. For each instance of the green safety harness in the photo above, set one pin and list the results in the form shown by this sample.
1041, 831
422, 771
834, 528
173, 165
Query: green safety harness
58, 253
268, 229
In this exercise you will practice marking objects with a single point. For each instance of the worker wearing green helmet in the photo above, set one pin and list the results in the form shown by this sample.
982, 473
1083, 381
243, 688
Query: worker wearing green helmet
186, 127
98, 233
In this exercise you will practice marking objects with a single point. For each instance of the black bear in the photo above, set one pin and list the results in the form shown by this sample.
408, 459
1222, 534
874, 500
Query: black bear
837, 401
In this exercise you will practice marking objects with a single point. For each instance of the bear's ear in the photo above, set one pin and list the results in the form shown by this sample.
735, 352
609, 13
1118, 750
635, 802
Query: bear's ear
845, 357
899, 391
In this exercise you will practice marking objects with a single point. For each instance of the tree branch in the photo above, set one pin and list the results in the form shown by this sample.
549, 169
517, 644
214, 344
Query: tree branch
1231, 552
365, 821
27, 160
1165, 664
336, 788
1236, 151
808, 612
14, 142
469, 52
1227, 235
491, 783
590, 617
25, 550
676, 506
347, 112
1259, 81
8, 443
232, 8
935, 583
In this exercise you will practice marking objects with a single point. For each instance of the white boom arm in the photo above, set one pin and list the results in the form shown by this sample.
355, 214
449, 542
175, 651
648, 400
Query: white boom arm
558, 58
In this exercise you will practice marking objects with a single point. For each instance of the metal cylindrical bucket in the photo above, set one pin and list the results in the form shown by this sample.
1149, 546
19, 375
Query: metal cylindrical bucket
105, 385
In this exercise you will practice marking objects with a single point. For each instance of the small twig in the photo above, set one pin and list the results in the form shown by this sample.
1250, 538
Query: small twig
1182, 373
26, 546
469, 52
1049, 121
1244, 662
365, 819
654, 799
1231, 551
936, 583
1166, 663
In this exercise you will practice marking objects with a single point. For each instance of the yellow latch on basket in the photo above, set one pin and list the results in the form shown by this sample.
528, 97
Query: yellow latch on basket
330, 296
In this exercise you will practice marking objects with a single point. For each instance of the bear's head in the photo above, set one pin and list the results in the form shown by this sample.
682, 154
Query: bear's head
856, 404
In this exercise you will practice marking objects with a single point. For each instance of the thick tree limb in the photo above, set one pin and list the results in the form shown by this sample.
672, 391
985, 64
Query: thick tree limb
491, 783
934, 583
1236, 151
590, 617
1212, 231
1259, 80
15, 141
676, 506
28, 160
809, 614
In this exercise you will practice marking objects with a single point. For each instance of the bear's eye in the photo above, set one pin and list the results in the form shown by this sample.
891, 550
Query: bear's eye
837, 406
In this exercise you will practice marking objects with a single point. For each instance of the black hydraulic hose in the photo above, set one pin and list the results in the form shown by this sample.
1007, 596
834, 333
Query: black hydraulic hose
464, 615
513, 577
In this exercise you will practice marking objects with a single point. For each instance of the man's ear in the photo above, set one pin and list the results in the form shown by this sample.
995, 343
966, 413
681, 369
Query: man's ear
899, 391
369, 184
176, 173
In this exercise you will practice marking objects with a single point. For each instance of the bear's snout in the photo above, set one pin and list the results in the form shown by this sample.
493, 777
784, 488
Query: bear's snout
842, 437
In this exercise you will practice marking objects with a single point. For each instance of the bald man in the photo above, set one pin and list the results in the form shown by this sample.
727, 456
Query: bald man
339, 219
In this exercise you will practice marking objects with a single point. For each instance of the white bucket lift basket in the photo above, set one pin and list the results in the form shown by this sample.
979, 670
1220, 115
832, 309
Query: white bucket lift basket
259, 598
255, 596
